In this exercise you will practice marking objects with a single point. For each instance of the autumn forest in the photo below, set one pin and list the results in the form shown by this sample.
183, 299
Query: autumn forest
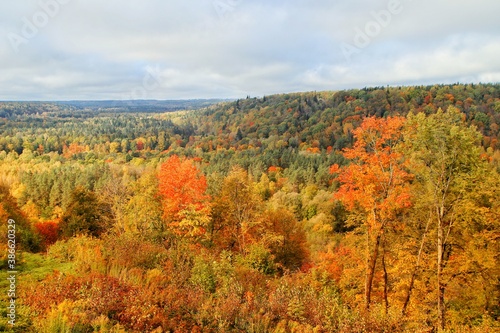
367, 210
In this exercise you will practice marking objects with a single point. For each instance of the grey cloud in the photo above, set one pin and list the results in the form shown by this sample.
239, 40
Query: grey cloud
230, 48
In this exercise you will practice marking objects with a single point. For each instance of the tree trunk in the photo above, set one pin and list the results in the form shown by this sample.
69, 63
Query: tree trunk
386, 279
415, 271
370, 271
440, 287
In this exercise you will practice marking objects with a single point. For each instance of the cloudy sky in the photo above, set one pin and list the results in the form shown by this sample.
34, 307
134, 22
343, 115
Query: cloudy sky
166, 49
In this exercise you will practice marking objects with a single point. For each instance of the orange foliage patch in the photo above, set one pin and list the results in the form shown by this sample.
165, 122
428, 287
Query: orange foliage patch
377, 179
273, 169
181, 185
49, 231
73, 149
314, 150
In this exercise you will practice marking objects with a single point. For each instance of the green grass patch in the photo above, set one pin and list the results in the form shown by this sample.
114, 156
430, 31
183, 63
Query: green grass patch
31, 268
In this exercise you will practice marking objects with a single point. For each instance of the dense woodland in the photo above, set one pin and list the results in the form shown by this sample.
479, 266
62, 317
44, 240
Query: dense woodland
372, 210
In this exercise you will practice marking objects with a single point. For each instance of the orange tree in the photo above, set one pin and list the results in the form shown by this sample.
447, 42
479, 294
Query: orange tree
182, 188
375, 186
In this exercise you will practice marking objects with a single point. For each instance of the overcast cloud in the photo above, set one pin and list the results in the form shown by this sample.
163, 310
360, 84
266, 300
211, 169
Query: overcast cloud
165, 49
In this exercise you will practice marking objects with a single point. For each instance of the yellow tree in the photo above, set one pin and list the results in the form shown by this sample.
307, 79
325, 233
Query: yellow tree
288, 240
143, 212
445, 155
235, 211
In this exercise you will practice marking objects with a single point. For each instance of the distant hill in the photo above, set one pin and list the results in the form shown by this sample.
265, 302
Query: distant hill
143, 105
69, 108
278, 130
319, 120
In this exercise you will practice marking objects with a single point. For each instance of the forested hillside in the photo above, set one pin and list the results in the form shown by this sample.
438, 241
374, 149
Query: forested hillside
372, 210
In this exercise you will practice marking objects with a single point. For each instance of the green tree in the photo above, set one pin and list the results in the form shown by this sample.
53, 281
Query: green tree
445, 154
85, 214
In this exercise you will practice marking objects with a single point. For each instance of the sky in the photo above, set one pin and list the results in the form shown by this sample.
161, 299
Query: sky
165, 49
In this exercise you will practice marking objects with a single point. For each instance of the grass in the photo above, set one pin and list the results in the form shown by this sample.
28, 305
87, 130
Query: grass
31, 268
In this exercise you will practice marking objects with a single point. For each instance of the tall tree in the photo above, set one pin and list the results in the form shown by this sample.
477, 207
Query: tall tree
445, 155
376, 186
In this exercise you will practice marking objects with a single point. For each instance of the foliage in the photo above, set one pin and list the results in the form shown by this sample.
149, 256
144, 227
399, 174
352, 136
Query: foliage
26, 237
49, 231
375, 187
86, 214
228, 218
184, 201
289, 246
447, 160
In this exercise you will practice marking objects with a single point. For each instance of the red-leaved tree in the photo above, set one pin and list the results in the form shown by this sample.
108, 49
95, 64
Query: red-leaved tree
185, 203
375, 186
49, 231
